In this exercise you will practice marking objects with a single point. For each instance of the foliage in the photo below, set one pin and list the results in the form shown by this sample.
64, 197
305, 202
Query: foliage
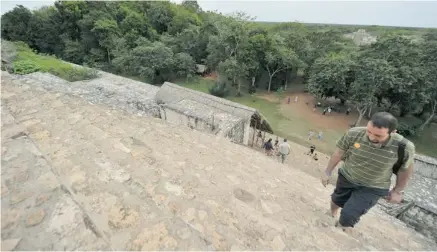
163, 40
219, 90
331, 76
28, 61
24, 67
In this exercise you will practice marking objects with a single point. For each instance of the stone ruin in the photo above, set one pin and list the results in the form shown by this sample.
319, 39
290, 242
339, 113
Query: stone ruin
361, 37
88, 166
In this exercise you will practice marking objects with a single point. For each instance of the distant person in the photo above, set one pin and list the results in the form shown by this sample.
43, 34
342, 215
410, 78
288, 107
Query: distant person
329, 110
296, 99
348, 111
284, 150
320, 135
315, 157
312, 149
310, 134
288, 100
268, 146
259, 137
276, 145
324, 111
370, 157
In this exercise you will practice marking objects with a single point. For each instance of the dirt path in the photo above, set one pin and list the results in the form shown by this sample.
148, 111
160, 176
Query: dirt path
304, 110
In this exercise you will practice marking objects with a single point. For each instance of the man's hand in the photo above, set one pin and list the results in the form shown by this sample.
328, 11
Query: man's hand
394, 197
326, 176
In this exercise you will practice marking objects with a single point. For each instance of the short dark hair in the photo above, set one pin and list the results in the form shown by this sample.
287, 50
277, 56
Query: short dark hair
384, 120
285, 140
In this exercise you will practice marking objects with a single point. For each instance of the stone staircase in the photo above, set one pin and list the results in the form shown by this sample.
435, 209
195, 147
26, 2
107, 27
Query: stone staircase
78, 175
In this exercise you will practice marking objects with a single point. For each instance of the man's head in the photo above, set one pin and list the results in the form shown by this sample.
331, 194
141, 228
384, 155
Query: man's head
380, 126
285, 140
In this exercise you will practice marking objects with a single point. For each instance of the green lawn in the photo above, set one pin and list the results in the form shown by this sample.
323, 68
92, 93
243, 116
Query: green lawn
295, 128
426, 144
27, 61
196, 83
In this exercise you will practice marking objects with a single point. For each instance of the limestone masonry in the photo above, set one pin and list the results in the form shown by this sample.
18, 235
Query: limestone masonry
88, 166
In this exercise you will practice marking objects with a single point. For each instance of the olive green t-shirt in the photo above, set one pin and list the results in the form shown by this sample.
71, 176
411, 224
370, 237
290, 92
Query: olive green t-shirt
368, 164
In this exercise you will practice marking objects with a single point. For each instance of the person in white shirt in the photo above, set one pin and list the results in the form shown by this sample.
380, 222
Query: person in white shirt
284, 150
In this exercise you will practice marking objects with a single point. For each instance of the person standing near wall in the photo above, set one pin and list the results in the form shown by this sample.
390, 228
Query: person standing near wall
370, 154
268, 146
284, 150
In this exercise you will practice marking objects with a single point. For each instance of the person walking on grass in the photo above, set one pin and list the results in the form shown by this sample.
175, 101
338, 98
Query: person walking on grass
370, 154
320, 136
310, 134
284, 150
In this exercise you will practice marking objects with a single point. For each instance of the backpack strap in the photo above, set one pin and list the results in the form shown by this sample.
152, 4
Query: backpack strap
401, 154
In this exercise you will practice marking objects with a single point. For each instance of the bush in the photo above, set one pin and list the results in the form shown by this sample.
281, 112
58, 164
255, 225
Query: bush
407, 130
219, 90
24, 67
71, 73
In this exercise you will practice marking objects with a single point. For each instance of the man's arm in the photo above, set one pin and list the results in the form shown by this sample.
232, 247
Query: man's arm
402, 179
335, 159
403, 175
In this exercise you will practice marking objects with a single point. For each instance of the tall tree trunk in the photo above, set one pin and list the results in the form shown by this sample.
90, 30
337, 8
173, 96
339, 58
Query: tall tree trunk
360, 117
433, 110
270, 83
370, 111
109, 57
294, 74
286, 81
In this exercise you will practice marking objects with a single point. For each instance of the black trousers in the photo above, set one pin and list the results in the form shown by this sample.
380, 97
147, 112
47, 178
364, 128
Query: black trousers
355, 200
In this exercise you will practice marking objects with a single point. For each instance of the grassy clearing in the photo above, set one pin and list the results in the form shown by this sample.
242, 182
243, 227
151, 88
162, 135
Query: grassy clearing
196, 83
27, 61
291, 125
426, 144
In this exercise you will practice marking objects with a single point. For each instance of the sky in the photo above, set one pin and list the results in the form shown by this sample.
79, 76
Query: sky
391, 13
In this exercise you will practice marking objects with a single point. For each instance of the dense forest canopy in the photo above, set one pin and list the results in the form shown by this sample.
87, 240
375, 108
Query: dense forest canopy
161, 41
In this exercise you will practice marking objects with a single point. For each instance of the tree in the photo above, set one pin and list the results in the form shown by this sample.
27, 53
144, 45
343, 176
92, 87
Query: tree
429, 59
331, 76
232, 36
160, 15
279, 58
184, 65
371, 75
191, 5
44, 30
182, 19
16, 24
107, 32
233, 69
405, 56
297, 40
152, 61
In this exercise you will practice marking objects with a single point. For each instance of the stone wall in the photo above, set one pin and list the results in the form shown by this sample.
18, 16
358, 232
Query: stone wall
177, 118
422, 220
